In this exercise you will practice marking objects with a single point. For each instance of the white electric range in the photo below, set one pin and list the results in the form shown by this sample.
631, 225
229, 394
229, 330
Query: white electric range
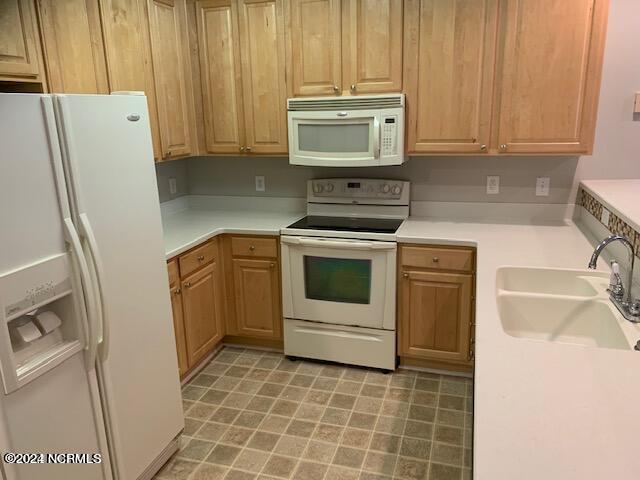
339, 272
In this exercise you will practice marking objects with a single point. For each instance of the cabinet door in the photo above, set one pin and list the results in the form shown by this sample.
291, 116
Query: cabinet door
178, 327
128, 52
549, 77
172, 75
257, 298
435, 315
19, 51
449, 64
315, 59
73, 48
219, 50
372, 46
202, 313
263, 75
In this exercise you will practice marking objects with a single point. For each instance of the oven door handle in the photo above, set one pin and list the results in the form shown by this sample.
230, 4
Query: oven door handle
312, 242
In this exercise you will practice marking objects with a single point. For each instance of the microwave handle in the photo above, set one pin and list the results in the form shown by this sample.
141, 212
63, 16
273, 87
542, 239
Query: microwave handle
377, 134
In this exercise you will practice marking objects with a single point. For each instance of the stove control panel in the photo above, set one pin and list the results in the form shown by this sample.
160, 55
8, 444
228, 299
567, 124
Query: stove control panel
355, 189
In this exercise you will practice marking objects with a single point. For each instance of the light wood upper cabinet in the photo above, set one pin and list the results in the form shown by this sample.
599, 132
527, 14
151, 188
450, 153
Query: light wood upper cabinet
263, 75
172, 76
128, 52
219, 51
314, 47
73, 48
20, 55
202, 311
372, 45
448, 74
549, 75
257, 298
435, 315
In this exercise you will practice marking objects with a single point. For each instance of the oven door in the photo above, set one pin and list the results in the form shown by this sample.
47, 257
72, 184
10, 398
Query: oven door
334, 138
343, 282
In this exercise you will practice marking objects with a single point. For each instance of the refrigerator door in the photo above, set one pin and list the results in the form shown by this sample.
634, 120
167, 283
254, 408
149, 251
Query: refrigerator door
110, 170
50, 400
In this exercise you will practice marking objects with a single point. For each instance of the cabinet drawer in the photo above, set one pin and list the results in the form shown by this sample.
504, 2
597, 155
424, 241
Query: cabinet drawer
198, 257
254, 247
438, 258
174, 274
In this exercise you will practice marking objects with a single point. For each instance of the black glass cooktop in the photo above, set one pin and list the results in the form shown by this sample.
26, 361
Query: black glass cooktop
348, 224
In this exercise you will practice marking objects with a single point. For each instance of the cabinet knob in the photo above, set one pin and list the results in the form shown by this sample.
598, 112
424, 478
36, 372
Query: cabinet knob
353, 87
336, 89
187, 285
201, 258
483, 147
435, 259
169, 153
272, 265
405, 275
248, 149
252, 248
242, 149
177, 291
503, 146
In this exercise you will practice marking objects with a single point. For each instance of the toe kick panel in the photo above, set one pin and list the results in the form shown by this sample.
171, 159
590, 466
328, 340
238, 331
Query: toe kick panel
352, 345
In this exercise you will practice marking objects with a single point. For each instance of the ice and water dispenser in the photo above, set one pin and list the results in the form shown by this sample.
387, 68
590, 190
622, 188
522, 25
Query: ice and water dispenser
40, 314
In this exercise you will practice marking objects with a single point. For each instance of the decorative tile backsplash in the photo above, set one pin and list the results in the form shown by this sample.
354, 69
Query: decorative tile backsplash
616, 225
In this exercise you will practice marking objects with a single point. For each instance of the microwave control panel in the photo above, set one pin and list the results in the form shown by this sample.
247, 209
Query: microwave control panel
389, 136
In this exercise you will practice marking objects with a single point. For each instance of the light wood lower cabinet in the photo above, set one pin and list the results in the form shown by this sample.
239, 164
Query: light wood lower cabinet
257, 297
201, 296
196, 287
435, 306
252, 281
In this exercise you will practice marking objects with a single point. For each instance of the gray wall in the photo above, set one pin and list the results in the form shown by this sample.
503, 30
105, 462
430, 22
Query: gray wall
616, 154
176, 169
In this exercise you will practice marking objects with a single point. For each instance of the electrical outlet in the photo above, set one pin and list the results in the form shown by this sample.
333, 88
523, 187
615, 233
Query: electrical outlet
173, 186
604, 218
260, 185
542, 186
493, 184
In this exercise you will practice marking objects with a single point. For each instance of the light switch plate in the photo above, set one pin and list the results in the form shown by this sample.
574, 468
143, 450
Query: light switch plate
260, 185
604, 218
636, 106
173, 186
493, 184
542, 186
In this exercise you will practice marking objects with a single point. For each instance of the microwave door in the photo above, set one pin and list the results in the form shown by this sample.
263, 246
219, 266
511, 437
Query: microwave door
330, 138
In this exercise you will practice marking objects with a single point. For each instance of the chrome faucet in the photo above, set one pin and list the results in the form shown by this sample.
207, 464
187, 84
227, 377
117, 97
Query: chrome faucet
621, 296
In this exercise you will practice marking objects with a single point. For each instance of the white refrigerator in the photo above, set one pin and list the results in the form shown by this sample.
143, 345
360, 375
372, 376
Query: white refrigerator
87, 351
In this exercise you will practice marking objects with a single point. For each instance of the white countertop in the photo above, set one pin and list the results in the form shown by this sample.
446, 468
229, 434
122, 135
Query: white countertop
542, 410
187, 228
622, 197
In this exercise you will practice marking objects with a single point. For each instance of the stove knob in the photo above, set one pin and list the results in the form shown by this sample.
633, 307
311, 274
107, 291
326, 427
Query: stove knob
384, 188
396, 190
329, 187
317, 188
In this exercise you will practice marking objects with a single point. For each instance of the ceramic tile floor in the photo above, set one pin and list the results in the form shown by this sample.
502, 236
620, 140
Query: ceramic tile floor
257, 415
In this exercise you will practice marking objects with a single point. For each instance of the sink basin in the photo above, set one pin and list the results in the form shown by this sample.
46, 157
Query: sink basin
578, 283
591, 323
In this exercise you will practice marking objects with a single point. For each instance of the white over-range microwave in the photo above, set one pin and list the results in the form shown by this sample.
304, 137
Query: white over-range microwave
358, 131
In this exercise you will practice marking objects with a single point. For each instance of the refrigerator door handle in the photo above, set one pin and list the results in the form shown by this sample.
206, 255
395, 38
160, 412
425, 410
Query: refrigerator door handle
102, 336
89, 320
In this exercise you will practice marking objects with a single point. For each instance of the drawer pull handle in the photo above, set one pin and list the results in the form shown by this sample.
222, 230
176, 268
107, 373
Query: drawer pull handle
252, 248
187, 285
436, 259
200, 258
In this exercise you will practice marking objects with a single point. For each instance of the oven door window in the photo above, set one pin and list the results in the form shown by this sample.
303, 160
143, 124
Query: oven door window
337, 279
